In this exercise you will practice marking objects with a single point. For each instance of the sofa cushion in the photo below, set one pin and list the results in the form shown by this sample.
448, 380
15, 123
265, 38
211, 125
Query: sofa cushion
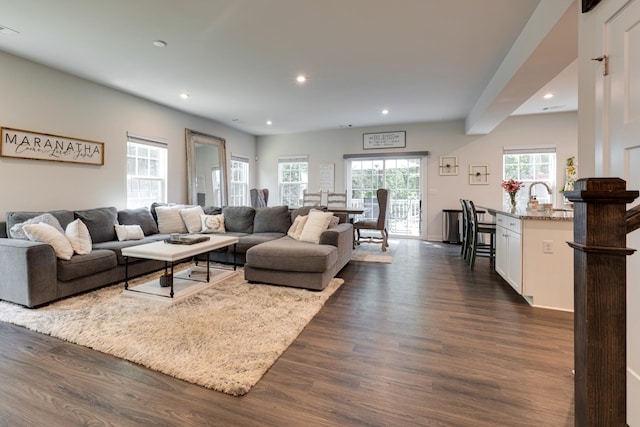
169, 219
275, 219
286, 254
64, 217
17, 231
141, 217
78, 236
212, 210
248, 241
48, 234
239, 218
84, 265
100, 222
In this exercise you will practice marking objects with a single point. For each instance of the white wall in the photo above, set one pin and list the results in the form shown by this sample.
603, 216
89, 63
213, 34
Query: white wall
440, 139
40, 99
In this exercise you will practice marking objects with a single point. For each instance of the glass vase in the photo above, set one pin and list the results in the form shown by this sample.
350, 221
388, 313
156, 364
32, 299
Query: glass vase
512, 201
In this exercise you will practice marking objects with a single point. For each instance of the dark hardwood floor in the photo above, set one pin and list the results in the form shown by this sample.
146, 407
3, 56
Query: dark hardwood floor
421, 342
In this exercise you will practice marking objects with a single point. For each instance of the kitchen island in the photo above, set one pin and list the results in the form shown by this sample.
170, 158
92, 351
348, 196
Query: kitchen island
532, 255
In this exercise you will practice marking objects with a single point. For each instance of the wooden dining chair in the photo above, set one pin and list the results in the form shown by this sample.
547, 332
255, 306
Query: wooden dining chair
311, 199
338, 200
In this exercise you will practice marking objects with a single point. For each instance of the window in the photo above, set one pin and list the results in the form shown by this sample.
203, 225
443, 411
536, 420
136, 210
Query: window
293, 176
146, 171
532, 165
239, 185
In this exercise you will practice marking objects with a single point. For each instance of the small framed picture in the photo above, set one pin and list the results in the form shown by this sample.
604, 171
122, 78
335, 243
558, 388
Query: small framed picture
478, 174
449, 165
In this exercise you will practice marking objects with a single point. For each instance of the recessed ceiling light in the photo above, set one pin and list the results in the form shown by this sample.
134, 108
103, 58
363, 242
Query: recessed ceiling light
6, 31
184, 95
159, 43
301, 78
269, 122
385, 111
548, 96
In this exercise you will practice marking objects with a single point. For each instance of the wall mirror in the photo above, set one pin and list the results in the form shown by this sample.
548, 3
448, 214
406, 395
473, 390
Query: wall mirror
206, 169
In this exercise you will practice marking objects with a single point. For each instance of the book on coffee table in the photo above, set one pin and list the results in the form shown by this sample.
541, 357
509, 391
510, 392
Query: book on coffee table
185, 239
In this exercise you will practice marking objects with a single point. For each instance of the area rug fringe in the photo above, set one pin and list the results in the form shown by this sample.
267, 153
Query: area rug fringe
224, 338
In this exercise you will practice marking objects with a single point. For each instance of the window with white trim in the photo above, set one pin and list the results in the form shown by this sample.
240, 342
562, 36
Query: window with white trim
239, 185
531, 165
293, 177
146, 171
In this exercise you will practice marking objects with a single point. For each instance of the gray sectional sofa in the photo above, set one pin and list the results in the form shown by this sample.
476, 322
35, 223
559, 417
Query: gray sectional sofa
32, 275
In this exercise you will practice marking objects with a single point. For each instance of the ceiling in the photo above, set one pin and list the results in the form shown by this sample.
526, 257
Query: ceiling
423, 60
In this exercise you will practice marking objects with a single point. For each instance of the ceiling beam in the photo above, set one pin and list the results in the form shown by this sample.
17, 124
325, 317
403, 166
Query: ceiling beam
545, 47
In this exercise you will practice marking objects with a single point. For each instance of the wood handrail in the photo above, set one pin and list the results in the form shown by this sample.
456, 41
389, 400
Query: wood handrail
633, 219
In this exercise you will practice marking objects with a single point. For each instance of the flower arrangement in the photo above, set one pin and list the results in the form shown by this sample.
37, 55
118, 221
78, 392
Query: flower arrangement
512, 186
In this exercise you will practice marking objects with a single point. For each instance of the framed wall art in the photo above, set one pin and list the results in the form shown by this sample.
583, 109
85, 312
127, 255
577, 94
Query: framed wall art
449, 165
384, 140
478, 174
25, 144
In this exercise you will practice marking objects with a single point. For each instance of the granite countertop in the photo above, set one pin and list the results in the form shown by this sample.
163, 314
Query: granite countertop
540, 215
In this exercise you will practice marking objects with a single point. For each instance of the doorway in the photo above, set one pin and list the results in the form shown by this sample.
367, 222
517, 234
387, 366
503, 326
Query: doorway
402, 177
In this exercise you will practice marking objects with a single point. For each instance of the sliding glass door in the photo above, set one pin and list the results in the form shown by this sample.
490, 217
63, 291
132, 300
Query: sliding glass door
401, 176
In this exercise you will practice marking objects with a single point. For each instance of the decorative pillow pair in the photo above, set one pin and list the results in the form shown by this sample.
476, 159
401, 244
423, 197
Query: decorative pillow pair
309, 228
76, 238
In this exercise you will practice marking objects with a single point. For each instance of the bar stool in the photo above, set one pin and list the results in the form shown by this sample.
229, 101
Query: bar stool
476, 229
464, 248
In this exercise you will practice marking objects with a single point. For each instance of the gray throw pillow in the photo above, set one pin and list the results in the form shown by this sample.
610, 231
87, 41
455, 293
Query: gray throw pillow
274, 219
239, 218
100, 222
141, 217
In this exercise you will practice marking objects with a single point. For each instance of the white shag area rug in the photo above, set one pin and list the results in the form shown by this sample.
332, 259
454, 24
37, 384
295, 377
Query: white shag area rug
224, 338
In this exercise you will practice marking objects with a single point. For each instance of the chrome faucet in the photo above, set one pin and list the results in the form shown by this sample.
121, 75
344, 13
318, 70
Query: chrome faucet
539, 182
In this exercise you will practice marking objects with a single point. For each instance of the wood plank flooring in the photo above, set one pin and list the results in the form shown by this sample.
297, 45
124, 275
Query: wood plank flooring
423, 341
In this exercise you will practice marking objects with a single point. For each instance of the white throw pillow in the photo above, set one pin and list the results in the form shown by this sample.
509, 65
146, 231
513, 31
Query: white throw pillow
296, 223
191, 218
78, 236
298, 232
170, 220
129, 232
16, 231
317, 222
46, 233
212, 223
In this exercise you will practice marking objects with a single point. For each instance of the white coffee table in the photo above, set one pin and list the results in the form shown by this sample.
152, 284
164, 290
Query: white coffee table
170, 254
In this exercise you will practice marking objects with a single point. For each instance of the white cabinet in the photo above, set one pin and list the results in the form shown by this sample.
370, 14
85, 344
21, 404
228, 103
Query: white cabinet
509, 250
532, 255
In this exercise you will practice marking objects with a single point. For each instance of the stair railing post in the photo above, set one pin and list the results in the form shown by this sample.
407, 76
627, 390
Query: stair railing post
600, 234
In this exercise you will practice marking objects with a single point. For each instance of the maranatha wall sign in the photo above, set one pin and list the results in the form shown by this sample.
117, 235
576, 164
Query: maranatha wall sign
384, 140
25, 144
